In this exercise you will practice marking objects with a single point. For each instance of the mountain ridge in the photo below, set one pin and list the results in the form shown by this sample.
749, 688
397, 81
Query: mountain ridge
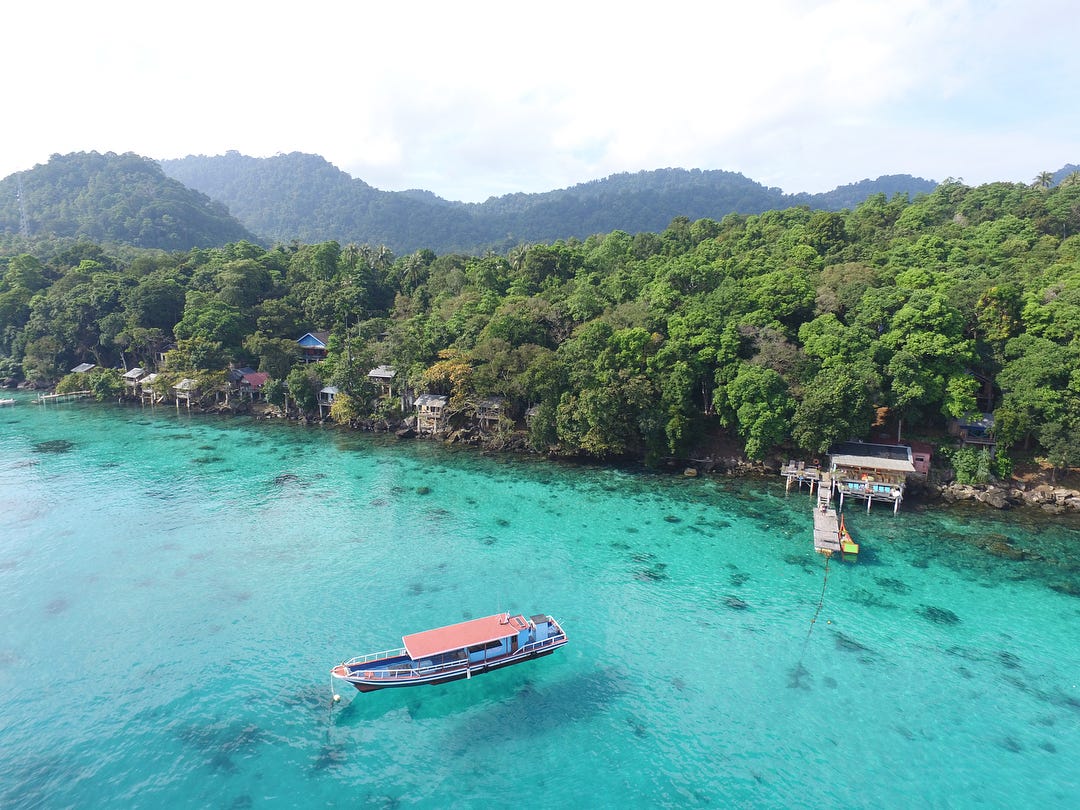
351, 210
201, 201
113, 198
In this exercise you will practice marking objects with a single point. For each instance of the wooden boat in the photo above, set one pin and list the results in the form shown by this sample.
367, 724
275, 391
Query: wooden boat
454, 652
849, 549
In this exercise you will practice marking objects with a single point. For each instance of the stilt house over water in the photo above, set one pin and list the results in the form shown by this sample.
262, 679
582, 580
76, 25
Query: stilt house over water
876, 472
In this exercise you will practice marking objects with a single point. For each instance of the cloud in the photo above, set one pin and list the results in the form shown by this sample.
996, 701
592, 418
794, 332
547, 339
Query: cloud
489, 98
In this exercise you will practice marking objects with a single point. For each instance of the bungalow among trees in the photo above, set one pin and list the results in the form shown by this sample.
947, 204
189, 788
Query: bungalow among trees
147, 394
251, 384
489, 411
132, 378
383, 379
430, 411
974, 430
313, 346
326, 399
185, 390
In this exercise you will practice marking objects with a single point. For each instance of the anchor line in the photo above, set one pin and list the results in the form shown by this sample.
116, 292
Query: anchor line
817, 612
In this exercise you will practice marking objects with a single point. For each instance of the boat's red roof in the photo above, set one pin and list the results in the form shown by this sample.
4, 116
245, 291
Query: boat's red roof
464, 634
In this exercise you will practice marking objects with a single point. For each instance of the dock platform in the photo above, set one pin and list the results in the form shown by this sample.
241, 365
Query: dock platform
826, 532
43, 398
800, 473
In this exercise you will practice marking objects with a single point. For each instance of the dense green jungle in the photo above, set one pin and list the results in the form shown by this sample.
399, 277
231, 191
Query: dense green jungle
788, 329
201, 201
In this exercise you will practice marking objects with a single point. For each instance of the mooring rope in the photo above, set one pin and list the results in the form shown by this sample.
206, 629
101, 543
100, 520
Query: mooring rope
821, 601
820, 604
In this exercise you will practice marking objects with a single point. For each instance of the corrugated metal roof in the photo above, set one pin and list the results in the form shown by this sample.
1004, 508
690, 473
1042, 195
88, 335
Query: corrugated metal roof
314, 340
870, 450
464, 634
873, 462
427, 400
382, 372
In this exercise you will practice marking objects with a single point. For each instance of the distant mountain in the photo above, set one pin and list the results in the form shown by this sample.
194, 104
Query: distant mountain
110, 198
303, 197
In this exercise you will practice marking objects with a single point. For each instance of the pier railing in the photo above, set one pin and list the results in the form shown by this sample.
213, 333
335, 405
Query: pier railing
43, 398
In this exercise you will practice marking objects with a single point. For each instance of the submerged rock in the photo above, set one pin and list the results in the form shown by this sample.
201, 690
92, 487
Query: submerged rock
938, 615
1005, 550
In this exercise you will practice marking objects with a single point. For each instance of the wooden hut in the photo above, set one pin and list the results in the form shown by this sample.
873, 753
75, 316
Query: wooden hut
146, 389
326, 400
313, 346
430, 412
185, 390
488, 411
382, 377
876, 472
132, 377
975, 430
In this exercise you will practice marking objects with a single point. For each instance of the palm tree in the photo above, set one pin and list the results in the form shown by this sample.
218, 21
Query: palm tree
351, 255
1043, 180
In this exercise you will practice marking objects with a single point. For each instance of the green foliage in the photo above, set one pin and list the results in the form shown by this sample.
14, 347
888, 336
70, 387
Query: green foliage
785, 326
762, 407
345, 409
304, 385
115, 198
303, 197
971, 466
71, 383
1003, 465
106, 383
275, 391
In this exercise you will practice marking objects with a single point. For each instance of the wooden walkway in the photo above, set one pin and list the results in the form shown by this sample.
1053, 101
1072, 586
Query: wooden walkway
43, 398
799, 473
826, 532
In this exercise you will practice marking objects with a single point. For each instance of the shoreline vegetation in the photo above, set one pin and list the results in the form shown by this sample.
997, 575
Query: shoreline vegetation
951, 319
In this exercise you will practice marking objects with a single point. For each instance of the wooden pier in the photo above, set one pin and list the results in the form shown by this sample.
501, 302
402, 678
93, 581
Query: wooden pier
43, 398
826, 521
826, 532
799, 473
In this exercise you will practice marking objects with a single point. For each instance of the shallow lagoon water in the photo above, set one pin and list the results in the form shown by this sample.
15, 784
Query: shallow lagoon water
174, 590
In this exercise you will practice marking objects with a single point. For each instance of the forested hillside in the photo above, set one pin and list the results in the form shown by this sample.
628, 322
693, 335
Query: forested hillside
110, 198
303, 197
791, 328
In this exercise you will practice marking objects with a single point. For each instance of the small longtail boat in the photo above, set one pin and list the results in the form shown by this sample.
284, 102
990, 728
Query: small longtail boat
454, 652
848, 547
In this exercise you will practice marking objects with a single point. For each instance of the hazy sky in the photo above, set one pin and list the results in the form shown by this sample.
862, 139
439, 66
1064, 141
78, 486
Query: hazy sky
477, 99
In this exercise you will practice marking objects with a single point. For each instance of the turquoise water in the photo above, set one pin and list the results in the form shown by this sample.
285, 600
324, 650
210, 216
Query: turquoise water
174, 590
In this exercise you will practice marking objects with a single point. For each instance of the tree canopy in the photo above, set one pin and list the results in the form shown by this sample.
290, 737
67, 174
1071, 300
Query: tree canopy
791, 328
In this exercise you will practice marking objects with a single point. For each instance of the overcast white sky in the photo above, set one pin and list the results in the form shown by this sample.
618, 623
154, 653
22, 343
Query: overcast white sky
478, 99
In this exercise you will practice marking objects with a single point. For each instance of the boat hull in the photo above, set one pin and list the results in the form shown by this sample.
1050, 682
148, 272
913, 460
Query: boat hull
371, 680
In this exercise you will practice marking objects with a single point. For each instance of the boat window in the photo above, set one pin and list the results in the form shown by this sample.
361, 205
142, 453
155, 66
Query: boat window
491, 645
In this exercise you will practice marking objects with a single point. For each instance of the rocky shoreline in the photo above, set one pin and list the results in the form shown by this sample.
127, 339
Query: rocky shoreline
1052, 499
